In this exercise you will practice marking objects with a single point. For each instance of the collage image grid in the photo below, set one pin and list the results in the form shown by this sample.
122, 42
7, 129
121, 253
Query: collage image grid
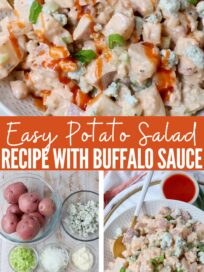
137, 59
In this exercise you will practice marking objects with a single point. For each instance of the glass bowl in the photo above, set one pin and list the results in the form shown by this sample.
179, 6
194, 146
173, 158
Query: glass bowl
57, 245
74, 198
37, 184
92, 250
24, 246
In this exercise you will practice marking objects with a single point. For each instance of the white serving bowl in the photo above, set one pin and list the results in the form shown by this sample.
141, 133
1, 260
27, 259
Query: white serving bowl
149, 208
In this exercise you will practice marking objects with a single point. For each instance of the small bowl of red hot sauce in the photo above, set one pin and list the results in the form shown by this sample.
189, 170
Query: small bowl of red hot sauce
180, 186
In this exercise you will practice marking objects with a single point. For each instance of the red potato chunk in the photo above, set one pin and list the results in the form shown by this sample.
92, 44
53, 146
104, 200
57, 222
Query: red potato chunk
47, 207
14, 191
9, 223
28, 202
14, 209
28, 228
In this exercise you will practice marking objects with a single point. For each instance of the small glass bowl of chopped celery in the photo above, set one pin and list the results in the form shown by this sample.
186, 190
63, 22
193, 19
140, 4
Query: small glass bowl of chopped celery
79, 216
23, 259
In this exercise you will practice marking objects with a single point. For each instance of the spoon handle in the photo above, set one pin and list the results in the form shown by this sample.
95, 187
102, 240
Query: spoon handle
143, 192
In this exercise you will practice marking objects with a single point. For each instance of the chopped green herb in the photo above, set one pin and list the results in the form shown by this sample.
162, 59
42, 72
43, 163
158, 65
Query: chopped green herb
178, 270
200, 247
190, 245
156, 262
85, 56
114, 40
169, 217
122, 269
193, 2
35, 11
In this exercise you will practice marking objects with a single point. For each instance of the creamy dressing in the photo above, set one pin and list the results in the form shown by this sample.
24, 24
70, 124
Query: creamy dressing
83, 259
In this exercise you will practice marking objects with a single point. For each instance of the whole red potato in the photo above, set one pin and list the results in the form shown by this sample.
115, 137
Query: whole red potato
47, 207
14, 208
14, 191
36, 216
29, 202
28, 228
39, 217
9, 223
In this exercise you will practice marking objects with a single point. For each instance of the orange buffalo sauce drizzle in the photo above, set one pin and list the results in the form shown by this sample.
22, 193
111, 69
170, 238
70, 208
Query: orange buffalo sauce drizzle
165, 59
62, 66
40, 101
79, 98
20, 25
165, 80
82, 10
99, 72
14, 42
151, 54
78, 8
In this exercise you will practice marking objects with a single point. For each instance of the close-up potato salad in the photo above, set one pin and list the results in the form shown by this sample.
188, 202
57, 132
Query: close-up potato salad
98, 58
170, 241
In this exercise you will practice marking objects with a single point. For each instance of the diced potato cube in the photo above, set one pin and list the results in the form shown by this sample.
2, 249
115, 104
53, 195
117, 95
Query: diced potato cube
120, 24
151, 102
83, 29
103, 106
10, 59
100, 73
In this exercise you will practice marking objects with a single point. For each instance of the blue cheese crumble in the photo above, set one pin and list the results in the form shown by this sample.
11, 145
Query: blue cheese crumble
82, 218
172, 58
112, 90
179, 246
170, 7
61, 18
201, 257
196, 55
155, 18
166, 240
184, 4
200, 9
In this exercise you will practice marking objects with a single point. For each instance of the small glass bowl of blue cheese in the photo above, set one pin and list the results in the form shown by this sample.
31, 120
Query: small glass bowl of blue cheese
80, 216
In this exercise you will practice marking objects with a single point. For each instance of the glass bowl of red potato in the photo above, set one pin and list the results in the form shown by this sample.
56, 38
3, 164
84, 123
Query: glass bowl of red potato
29, 209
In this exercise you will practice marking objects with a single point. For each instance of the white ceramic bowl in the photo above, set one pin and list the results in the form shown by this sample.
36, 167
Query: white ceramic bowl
149, 208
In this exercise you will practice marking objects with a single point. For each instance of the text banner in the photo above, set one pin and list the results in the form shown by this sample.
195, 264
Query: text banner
101, 143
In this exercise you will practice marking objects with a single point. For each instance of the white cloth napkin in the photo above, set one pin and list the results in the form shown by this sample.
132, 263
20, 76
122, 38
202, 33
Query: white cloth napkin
115, 178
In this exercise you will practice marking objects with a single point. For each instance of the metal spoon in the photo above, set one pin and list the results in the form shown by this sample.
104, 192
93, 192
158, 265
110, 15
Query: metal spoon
118, 246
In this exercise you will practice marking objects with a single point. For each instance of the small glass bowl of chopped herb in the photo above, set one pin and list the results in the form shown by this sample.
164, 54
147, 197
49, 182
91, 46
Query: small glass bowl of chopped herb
79, 216
23, 259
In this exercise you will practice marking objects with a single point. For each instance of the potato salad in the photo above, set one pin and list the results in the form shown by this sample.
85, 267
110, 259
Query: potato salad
168, 242
105, 57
